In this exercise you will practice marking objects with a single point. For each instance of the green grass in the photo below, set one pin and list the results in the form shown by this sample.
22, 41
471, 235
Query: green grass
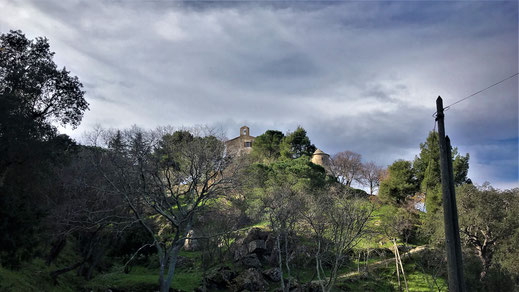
14, 281
35, 276
383, 278
143, 279
190, 254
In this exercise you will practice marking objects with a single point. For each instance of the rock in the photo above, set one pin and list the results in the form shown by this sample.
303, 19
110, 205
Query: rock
270, 242
256, 234
240, 252
272, 274
313, 286
185, 262
251, 261
190, 244
257, 246
250, 279
220, 278
294, 286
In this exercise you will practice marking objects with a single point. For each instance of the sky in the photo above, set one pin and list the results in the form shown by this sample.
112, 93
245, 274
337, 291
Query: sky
358, 75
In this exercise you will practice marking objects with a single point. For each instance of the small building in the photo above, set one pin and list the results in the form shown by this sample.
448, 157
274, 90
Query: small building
241, 144
322, 159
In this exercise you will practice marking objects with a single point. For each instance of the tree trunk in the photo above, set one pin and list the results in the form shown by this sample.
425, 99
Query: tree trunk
486, 260
317, 264
162, 260
280, 262
54, 274
171, 256
172, 259
57, 247
287, 260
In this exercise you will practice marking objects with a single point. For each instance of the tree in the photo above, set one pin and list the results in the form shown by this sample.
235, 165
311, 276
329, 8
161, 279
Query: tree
287, 183
347, 167
427, 170
488, 219
83, 208
166, 180
33, 93
371, 175
267, 145
297, 144
399, 184
397, 223
338, 221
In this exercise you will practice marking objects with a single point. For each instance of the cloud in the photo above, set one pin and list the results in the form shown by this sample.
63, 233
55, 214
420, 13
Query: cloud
361, 76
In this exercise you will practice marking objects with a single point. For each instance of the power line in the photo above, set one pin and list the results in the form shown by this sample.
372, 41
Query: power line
478, 92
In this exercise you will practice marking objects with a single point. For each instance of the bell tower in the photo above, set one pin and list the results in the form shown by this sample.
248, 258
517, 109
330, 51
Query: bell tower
244, 131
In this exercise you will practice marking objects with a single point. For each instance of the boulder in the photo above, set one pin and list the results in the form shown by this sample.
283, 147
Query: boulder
313, 286
257, 246
251, 261
220, 278
294, 286
185, 262
239, 252
272, 274
250, 279
256, 234
270, 242
190, 244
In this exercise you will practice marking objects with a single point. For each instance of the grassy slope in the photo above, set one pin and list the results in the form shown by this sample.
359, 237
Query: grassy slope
34, 276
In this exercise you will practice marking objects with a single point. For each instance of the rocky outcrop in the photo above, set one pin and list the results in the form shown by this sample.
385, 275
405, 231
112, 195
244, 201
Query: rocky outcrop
251, 261
257, 246
220, 278
252, 255
272, 274
250, 279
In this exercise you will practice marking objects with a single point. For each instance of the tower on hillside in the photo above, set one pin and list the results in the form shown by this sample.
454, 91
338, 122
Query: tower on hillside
322, 159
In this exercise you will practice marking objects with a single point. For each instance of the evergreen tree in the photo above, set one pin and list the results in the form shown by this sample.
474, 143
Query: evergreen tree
428, 174
267, 145
297, 144
399, 184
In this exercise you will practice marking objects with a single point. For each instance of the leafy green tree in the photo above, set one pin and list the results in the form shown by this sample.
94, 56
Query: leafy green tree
399, 184
489, 220
297, 144
428, 174
33, 93
267, 145
287, 183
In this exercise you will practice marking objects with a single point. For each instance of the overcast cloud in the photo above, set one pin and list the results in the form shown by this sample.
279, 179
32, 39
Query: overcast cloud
360, 76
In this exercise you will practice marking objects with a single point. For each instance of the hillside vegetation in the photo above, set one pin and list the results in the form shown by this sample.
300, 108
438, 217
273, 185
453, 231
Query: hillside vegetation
172, 210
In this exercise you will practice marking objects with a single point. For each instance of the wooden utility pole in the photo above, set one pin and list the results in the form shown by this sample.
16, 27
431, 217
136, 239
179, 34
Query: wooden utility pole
450, 211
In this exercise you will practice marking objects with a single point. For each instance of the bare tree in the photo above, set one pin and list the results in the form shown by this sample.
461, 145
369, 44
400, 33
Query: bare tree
85, 208
347, 167
338, 221
283, 205
371, 175
166, 179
